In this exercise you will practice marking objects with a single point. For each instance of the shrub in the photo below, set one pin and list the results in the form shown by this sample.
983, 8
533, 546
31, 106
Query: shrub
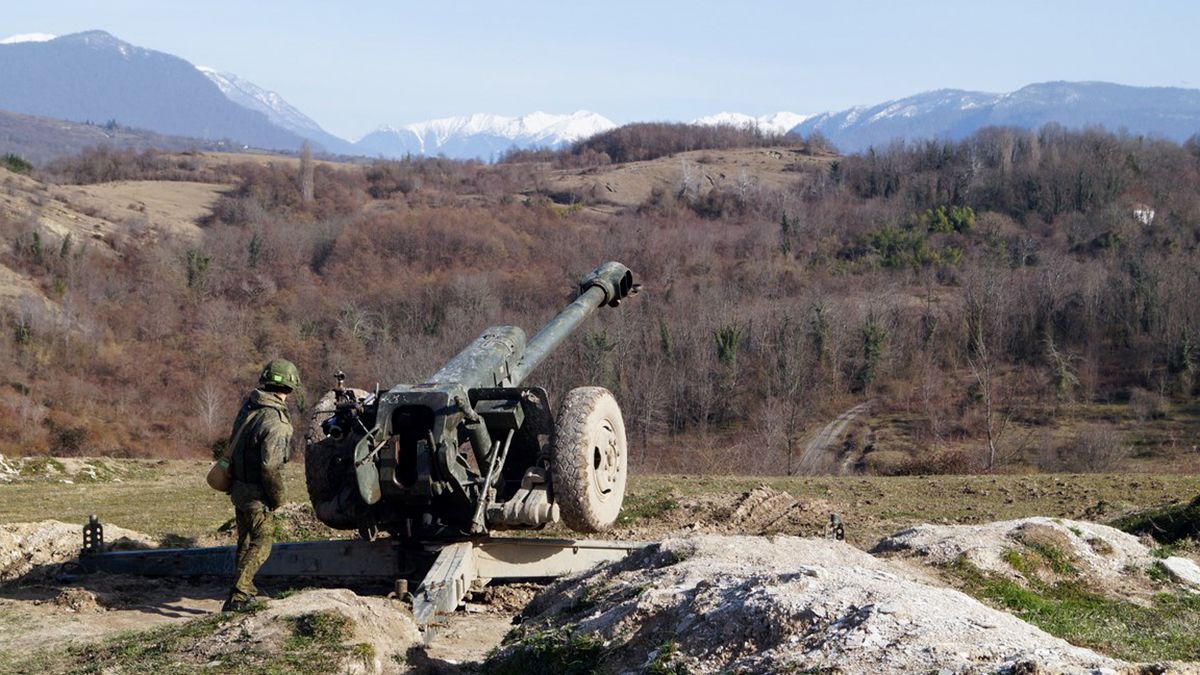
948, 462
1095, 449
16, 164
1170, 523
887, 462
103, 163
1147, 405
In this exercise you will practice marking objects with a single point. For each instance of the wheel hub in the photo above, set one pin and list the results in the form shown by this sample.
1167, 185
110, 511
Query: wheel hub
606, 461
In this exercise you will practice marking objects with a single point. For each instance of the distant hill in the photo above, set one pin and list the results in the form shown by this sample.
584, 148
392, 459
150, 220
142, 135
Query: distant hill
95, 77
39, 139
953, 113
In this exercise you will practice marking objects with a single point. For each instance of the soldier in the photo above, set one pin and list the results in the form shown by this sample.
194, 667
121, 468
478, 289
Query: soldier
262, 435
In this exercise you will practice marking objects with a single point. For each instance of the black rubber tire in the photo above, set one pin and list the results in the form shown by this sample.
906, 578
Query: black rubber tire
329, 477
329, 469
591, 458
325, 469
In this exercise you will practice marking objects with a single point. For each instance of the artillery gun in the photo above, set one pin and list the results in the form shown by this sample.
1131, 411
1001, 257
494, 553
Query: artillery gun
474, 449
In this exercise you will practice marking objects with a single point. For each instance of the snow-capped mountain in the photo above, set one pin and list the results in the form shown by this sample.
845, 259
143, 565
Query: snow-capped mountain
95, 77
775, 123
483, 136
281, 113
249, 95
954, 113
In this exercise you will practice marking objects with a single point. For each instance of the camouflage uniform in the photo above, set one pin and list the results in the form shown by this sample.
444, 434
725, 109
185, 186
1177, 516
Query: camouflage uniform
256, 465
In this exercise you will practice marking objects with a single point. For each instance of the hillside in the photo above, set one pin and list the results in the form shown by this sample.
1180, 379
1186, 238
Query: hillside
41, 139
997, 304
615, 188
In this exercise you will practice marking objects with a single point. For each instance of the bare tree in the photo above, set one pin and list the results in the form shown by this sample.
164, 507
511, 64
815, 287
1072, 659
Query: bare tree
210, 404
983, 297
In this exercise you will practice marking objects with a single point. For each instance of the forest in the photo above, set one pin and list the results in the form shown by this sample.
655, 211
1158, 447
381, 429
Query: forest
977, 293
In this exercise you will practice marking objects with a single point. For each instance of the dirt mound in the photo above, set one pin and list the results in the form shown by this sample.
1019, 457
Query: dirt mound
1099, 554
75, 599
372, 634
779, 604
26, 547
298, 522
312, 631
765, 510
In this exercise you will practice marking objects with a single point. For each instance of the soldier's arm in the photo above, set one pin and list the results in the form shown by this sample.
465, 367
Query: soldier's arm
275, 451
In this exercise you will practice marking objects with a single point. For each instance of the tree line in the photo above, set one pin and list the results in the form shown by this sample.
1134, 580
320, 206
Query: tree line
966, 288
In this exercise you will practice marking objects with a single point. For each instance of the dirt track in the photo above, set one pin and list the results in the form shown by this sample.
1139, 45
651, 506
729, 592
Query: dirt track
821, 454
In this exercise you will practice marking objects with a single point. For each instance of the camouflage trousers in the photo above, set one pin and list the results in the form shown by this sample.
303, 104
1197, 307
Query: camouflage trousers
255, 534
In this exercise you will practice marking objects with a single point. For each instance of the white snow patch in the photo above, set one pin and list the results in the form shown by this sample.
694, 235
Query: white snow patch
775, 123
27, 37
487, 132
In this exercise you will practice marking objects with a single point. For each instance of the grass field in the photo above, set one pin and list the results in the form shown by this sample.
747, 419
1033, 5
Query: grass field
169, 499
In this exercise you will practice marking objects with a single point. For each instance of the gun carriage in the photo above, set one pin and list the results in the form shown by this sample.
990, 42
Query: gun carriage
475, 449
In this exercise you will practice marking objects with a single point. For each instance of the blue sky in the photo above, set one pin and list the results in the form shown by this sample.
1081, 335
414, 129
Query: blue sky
353, 66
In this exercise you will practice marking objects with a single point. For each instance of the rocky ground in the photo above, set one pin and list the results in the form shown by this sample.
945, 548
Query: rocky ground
695, 602
709, 604
740, 580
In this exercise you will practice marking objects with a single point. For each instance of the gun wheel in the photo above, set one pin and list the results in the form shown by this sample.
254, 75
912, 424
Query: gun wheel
590, 460
324, 469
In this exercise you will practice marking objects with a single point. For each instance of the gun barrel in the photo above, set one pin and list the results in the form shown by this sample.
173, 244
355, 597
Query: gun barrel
606, 285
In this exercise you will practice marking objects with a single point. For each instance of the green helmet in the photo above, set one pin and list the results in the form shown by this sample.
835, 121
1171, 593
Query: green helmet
280, 373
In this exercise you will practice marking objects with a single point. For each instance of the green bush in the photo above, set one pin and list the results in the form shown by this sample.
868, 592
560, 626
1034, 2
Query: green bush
943, 219
548, 651
1166, 524
16, 164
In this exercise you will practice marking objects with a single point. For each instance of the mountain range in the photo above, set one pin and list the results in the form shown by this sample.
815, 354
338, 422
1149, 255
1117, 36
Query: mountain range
95, 77
482, 136
775, 123
953, 113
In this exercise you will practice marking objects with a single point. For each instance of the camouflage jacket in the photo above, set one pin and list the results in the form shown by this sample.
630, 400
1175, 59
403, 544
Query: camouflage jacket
259, 452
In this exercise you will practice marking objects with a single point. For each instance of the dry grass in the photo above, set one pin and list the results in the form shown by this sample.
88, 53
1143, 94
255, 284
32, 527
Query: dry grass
171, 206
628, 185
166, 498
